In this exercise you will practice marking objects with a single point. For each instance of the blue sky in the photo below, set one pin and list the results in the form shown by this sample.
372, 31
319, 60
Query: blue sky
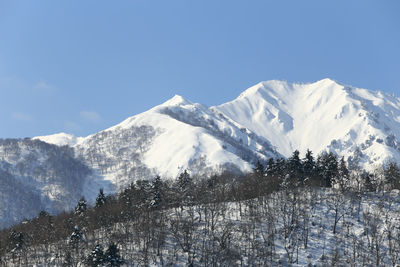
83, 66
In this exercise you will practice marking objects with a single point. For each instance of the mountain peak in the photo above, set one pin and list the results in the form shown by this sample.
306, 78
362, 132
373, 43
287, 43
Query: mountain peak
177, 100
327, 82
59, 139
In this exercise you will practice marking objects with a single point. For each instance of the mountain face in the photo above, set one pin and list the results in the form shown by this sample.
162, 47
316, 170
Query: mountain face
270, 119
361, 125
36, 176
168, 139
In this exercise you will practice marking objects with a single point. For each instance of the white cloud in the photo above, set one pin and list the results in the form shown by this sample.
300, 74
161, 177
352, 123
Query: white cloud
22, 116
91, 116
43, 87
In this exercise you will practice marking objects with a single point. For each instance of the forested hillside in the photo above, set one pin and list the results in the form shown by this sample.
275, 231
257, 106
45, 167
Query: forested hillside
299, 211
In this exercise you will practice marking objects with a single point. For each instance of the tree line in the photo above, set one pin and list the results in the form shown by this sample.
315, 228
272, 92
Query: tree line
80, 235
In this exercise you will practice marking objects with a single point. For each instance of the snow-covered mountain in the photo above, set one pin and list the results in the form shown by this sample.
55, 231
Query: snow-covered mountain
168, 139
361, 125
175, 136
270, 119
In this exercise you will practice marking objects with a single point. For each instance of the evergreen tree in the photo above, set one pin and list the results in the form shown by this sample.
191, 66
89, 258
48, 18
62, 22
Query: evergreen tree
368, 181
156, 188
295, 168
101, 199
81, 207
392, 175
280, 168
184, 188
343, 176
96, 257
17, 241
271, 167
259, 170
184, 181
328, 168
309, 167
112, 257
75, 237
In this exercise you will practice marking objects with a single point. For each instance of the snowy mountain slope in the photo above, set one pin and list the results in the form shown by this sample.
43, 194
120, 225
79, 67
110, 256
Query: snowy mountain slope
168, 139
37, 176
52, 172
60, 139
362, 125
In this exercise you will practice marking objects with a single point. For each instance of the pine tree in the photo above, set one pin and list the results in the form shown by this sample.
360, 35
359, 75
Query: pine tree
156, 188
112, 257
96, 257
295, 168
280, 168
81, 207
328, 168
101, 199
17, 241
259, 170
392, 175
343, 174
76, 237
368, 183
184, 181
184, 189
309, 166
271, 167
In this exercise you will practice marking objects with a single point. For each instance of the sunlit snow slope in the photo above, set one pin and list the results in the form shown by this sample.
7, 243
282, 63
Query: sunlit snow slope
168, 139
362, 125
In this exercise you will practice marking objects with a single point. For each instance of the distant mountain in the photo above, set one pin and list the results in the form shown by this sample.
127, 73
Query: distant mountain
361, 125
36, 176
168, 139
270, 119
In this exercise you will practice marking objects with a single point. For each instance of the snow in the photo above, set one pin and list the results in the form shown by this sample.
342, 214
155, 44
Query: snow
60, 139
269, 119
318, 116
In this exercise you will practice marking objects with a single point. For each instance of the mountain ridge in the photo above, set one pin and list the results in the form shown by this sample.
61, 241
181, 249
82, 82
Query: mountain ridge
269, 119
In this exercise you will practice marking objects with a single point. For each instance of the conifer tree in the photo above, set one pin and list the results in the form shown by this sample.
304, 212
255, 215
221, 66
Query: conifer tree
76, 237
295, 168
156, 188
259, 170
101, 199
112, 257
271, 167
343, 176
184, 186
96, 257
392, 175
309, 167
184, 180
17, 240
81, 207
328, 168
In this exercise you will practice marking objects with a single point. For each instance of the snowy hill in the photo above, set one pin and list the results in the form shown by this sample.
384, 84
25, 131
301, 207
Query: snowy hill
170, 138
361, 125
37, 176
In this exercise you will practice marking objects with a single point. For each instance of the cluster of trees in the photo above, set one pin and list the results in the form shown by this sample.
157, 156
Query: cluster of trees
329, 171
275, 201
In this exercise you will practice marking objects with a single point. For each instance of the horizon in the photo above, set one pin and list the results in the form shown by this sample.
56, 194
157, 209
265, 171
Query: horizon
81, 67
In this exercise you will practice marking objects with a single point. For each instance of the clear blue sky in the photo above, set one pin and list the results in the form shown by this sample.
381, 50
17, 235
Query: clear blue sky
83, 66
